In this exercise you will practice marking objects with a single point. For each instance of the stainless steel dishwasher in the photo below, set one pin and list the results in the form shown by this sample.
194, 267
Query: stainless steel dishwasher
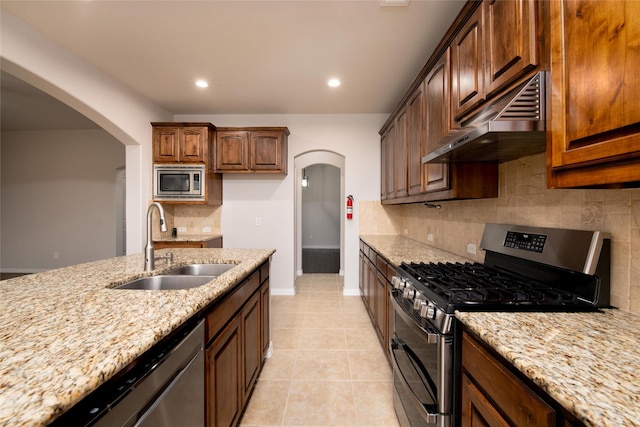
164, 389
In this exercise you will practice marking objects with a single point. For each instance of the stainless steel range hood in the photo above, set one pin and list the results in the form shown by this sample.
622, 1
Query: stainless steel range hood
509, 127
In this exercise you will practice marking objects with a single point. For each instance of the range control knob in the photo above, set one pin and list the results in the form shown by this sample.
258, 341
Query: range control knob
418, 303
428, 311
409, 292
398, 282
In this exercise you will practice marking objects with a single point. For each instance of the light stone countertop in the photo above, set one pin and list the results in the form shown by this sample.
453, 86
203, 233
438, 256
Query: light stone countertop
183, 237
587, 362
64, 332
397, 249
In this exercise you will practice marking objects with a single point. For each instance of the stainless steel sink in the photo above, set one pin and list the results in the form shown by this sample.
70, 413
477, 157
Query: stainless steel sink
202, 269
167, 282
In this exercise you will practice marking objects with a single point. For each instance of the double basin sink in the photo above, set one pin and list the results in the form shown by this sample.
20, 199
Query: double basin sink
184, 277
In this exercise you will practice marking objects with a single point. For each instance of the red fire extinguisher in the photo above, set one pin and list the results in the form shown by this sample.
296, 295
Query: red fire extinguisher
349, 207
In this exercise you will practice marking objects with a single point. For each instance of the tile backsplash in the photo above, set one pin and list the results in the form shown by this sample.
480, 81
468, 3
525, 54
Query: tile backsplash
193, 218
525, 200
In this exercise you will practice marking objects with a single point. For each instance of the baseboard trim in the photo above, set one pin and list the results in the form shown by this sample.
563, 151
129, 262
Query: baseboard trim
351, 292
281, 291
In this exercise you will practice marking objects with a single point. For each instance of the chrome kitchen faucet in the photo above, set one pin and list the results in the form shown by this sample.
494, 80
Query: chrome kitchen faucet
149, 253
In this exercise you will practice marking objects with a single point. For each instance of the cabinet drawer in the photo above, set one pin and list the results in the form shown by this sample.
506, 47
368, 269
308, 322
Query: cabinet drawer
515, 400
381, 264
220, 315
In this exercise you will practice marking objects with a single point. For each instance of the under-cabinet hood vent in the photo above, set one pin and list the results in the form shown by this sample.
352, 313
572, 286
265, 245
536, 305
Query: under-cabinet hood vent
509, 127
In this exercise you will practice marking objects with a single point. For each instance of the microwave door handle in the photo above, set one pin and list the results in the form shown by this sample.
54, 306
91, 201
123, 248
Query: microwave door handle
430, 417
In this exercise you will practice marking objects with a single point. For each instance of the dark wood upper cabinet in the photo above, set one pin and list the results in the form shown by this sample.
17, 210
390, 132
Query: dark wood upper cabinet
510, 41
181, 142
251, 150
595, 113
467, 53
400, 153
415, 140
437, 122
232, 151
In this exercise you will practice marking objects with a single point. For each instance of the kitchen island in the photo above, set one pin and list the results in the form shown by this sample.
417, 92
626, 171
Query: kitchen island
67, 331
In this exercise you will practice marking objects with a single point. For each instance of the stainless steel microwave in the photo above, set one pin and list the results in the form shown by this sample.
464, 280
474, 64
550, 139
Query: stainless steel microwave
179, 182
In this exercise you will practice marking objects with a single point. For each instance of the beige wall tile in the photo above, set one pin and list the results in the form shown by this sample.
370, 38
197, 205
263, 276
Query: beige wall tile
524, 199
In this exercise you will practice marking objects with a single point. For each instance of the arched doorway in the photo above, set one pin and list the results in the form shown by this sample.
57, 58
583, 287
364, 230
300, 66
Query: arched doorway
302, 161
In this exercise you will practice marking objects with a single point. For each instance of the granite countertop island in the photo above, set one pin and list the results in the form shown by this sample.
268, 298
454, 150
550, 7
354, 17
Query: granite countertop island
587, 362
65, 332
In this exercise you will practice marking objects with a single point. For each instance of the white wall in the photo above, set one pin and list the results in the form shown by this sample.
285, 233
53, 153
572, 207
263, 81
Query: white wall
116, 108
58, 198
321, 208
271, 198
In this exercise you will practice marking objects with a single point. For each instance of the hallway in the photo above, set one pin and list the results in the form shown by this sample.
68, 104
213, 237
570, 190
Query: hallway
327, 368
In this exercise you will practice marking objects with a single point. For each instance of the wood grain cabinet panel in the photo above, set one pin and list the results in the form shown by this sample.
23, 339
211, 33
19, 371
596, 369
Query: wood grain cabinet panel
232, 151
400, 153
510, 41
437, 122
467, 53
181, 143
252, 150
224, 377
415, 140
494, 396
595, 113
251, 343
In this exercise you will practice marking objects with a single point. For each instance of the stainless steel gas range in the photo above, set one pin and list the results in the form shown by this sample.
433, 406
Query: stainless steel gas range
525, 269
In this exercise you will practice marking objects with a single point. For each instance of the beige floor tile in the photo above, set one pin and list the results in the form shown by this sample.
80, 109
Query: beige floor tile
327, 368
374, 403
320, 403
286, 320
362, 339
286, 338
267, 404
323, 339
279, 366
369, 365
321, 365
323, 321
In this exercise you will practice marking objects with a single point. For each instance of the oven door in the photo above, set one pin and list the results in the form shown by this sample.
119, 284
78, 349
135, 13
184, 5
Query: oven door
422, 359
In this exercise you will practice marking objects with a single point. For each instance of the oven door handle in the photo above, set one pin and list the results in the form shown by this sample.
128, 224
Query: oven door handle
430, 337
429, 417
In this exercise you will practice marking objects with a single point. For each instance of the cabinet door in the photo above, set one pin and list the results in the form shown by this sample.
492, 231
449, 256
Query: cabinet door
265, 313
510, 41
401, 189
224, 377
251, 344
193, 144
467, 52
437, 122
415, 139
381, 307
384, 165
477, 410
232, 151
166, 144
595, 113
390, 157
268, 151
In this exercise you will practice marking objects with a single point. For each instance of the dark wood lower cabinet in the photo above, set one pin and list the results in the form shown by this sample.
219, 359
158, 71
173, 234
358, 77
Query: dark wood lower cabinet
237, 331
493, 393
224, 375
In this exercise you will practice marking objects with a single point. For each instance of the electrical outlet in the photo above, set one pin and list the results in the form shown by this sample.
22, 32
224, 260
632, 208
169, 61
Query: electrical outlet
206, 229
56, 255
430, 237
471, 248
258, 221
182, 229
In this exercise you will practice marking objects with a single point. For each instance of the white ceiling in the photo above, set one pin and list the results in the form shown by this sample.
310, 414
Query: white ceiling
260, 57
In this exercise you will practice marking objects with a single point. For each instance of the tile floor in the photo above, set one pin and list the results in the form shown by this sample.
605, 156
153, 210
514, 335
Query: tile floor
327, 368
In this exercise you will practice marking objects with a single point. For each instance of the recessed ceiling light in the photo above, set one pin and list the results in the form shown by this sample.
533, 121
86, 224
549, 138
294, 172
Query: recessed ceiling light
333, 82
202, 83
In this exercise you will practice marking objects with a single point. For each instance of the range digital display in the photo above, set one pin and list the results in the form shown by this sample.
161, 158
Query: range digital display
525, 241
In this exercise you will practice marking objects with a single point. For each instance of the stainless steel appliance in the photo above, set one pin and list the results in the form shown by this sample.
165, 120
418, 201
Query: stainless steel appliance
525, 269
179, 182
164, 388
